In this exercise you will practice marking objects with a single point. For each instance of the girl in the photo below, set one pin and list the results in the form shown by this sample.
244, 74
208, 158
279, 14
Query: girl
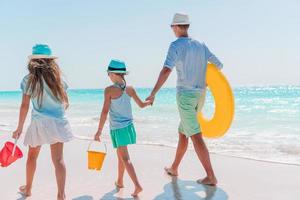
47, 92
117, 102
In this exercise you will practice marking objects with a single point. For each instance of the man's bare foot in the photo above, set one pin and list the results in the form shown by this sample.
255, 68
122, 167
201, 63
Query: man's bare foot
119, 185
24, 191
212, 181
137, 191
171, 172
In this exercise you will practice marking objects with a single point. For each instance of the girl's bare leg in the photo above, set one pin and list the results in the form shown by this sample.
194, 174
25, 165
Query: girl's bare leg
121, 170
123, 152
33, 154
60, 169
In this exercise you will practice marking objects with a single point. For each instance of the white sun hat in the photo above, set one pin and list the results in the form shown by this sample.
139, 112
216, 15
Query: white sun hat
180, 19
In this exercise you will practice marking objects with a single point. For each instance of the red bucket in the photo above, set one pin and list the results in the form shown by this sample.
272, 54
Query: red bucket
6, 157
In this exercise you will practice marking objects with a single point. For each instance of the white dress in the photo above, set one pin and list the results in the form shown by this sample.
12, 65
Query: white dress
49, 124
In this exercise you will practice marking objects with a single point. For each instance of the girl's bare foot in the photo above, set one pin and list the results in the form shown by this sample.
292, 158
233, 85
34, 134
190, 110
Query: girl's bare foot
171, 171
212, 181
137, 191
61, 197
24, 191
119, 185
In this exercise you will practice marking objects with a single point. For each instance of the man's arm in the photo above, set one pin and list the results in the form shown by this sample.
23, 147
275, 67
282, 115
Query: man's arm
169, 64
163, 76
213, 59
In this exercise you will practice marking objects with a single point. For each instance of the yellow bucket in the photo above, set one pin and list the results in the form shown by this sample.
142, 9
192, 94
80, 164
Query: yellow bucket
96, 158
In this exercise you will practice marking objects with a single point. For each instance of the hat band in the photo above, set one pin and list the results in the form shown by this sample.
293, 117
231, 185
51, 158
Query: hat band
116, 69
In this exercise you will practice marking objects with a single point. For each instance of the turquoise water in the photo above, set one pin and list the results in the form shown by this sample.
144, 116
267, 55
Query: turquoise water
266, 124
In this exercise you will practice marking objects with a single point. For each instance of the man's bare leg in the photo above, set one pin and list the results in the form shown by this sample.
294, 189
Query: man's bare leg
181, 149
203, 155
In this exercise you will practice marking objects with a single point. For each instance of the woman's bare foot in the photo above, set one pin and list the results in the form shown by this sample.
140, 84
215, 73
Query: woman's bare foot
119, 185
212, 181
24, 191
171, 172
137, 191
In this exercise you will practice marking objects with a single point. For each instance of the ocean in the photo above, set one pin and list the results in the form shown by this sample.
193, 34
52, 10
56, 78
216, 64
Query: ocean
266, 124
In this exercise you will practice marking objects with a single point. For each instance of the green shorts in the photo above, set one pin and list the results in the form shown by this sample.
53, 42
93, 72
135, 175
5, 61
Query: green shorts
189, 103
123, 136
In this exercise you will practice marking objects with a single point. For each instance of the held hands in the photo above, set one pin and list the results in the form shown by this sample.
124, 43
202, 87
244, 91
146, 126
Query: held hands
150, 99
17, 133
149, 102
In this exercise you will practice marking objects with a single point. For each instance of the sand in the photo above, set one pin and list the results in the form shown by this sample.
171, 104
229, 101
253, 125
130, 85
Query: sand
238, 178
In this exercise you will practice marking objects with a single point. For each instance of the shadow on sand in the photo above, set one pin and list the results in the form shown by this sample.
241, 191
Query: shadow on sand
175, 190
21, 197
111, 195
84, 197
189, 190
108, 196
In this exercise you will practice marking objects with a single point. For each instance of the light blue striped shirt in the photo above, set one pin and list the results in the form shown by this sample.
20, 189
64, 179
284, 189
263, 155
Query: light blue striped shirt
190, 58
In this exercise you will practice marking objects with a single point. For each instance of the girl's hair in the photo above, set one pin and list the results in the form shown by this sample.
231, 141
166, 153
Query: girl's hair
45, 71
123, 77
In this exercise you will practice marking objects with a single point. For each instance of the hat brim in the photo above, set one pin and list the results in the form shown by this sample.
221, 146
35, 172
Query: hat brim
41, 56
118, 72
180, 23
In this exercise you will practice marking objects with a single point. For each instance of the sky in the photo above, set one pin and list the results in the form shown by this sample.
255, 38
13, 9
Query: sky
257, 41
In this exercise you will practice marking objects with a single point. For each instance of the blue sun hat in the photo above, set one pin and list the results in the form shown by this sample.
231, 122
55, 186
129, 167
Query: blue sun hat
117, 66
41, 51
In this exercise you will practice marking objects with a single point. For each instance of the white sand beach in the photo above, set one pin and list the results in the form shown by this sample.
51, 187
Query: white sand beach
238, 178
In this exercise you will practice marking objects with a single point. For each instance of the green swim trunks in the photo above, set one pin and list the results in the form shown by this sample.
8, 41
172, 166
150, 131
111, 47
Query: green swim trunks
189, 103
123, 136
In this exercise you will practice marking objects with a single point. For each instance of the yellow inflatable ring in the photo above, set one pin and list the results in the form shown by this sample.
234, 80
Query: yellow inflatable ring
224, 104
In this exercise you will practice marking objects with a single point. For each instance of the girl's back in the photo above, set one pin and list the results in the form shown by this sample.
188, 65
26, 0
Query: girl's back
44, 87
47, 92
120, 111
49, 105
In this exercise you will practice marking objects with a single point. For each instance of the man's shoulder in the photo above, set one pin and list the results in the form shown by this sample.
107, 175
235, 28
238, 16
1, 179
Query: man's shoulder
180, 41
197, 41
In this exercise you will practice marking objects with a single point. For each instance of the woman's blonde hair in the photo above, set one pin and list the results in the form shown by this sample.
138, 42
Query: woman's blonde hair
45, 71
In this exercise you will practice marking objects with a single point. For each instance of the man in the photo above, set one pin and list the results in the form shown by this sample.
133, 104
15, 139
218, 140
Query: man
190, 58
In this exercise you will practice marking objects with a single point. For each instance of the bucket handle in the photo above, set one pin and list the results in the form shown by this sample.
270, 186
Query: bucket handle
99, 142
15, 145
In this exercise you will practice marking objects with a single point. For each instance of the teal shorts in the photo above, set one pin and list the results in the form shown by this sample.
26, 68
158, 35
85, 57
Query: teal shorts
123, 136
189, 104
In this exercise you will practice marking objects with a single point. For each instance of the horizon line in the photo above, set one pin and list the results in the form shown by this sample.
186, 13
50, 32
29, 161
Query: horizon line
233, 87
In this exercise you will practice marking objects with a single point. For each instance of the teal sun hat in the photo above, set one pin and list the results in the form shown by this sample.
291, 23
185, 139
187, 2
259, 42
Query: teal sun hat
41, 51
117, 66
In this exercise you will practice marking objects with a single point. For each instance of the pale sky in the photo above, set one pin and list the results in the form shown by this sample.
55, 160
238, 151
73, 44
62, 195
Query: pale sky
257, 41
